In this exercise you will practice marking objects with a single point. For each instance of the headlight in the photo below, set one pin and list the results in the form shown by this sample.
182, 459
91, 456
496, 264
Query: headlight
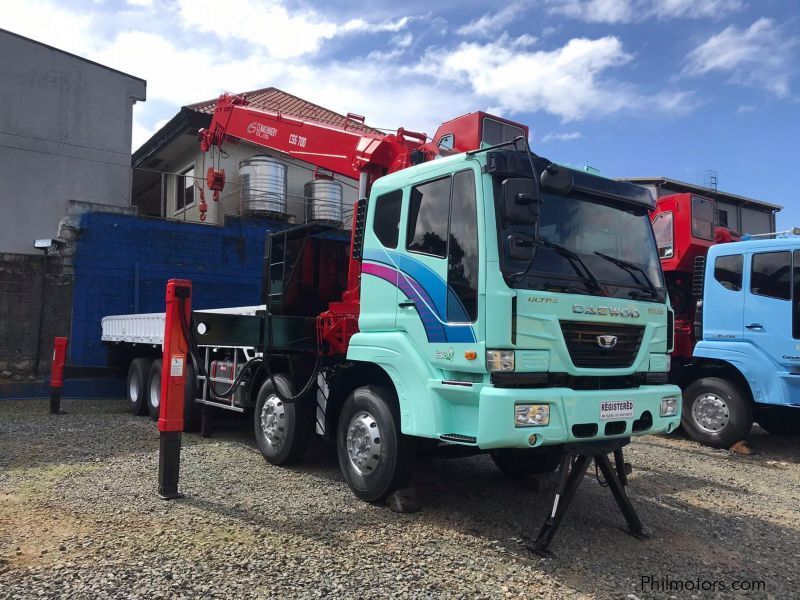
669, 406
531, 415
499, 360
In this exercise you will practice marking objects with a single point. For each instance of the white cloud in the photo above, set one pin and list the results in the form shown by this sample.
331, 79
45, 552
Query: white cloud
567, 81
50, 24
562, 137
142, 3
631, 11
758, 56
490, 23
745, 108
271, 26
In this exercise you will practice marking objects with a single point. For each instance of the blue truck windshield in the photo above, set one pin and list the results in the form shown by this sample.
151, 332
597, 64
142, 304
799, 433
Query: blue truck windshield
612, 242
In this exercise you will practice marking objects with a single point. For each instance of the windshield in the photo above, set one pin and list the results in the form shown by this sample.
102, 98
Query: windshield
613, 242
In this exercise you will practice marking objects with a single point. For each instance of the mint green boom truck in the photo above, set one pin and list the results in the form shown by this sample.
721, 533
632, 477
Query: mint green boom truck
507, 305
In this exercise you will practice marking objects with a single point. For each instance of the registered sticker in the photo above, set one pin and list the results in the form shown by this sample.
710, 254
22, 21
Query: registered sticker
176, 366
616, 409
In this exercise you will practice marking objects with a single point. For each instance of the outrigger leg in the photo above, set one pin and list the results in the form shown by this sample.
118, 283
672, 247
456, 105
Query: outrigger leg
574, 463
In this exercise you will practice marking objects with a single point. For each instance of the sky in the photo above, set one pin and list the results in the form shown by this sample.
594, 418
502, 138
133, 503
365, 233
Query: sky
634, 88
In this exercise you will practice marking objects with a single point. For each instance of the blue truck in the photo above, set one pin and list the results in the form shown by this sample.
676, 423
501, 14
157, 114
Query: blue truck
745, 365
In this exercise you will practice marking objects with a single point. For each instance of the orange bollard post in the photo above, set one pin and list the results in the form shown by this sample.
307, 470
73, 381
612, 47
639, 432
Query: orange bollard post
173, 381
57, 374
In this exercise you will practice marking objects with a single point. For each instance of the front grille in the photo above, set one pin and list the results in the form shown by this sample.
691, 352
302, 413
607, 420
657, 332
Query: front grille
581, 340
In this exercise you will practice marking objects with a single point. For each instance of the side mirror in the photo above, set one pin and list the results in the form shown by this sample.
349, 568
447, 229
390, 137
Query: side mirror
521, 247
521, 201
557, 179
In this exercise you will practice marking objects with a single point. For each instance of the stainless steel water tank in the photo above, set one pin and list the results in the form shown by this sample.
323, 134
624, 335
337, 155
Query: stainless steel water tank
263, 181
323, 201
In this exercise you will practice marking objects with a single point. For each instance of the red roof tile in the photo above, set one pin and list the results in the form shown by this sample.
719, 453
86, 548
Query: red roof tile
276, 100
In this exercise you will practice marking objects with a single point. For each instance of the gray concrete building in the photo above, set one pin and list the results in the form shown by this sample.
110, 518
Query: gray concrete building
65, 134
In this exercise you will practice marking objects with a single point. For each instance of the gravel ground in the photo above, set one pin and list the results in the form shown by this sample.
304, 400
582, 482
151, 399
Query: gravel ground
80, 517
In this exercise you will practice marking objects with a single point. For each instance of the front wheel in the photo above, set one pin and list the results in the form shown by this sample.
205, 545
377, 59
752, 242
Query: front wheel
525, 462
375, 458
716, 412
282, 429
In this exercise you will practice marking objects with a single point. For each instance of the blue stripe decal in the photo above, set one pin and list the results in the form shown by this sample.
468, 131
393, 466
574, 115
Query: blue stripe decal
426, 288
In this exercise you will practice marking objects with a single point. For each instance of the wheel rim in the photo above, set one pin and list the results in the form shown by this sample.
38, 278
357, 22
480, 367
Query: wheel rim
134, 390
155, 390
273, 421
710, 413
364, 443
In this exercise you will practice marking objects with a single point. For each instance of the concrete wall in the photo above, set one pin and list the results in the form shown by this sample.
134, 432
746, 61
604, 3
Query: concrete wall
122, 264
20, 306
65, 133
297, 175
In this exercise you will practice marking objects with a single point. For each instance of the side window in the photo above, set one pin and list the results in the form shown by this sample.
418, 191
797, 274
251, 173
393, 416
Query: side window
796, 300
771, 275
728, 271
447, 142
702, 218
662, 229
184, 189
462, 255
386, 223
427, 218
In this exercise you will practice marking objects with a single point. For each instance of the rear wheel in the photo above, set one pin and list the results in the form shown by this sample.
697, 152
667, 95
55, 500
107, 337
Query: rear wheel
780, 420
137, 385
524, 462
374, 456
716, 412
154, 389
282, 429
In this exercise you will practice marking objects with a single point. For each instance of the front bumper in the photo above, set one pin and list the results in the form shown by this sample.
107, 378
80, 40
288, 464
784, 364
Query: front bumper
574, 415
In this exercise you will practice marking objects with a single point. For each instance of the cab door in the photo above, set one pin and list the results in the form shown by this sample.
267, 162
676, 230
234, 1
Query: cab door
438, 269
768, 307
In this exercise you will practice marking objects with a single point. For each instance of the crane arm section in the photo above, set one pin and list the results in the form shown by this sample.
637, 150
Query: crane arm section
342, 150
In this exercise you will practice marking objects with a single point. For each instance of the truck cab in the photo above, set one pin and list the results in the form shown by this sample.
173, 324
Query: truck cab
510, 319
746, 363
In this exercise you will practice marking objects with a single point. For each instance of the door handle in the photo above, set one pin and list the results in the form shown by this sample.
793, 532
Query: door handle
407, 304
754, 326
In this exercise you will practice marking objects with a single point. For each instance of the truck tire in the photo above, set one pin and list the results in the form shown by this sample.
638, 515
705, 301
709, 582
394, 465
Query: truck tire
191, 409
154, 389
374, 456
716, 412
780, 420
524, 462
137, 385
282, 429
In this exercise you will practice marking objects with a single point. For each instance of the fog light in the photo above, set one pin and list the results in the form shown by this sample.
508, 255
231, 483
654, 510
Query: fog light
531, 415
669, 406
532, 439
499, 360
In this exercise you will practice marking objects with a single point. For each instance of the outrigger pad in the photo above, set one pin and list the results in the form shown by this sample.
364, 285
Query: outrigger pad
574, 463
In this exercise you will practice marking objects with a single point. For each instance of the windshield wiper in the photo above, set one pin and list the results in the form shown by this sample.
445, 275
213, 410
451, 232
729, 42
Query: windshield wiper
633, 268
575, 260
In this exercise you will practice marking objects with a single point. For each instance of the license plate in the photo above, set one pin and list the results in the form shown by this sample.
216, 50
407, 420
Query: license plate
616, 409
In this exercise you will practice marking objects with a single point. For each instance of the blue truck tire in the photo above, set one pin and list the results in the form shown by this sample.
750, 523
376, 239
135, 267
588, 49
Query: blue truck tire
716, 412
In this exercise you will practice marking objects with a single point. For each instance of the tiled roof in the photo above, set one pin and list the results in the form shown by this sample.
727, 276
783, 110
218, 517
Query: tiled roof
276, 100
